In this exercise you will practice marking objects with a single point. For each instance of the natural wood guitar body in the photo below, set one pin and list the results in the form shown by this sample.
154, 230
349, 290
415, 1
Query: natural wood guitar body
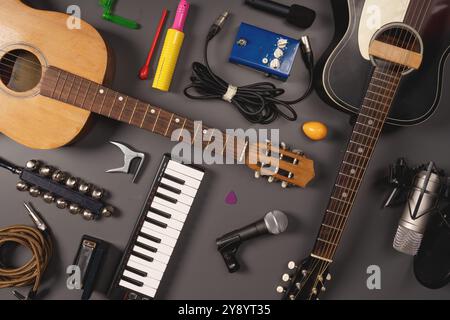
27, 117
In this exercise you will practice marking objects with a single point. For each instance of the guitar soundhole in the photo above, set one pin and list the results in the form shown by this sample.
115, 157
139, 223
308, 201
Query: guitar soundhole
20, 70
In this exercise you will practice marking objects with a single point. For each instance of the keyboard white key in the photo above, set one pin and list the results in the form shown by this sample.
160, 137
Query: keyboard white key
166, 231
152, 283
172, 223
180, 207
159, 256
168, 241
189, 191
159, 266
153, 273
158, 246
179, 197
174, 214
191, 172
151, 292
191, 182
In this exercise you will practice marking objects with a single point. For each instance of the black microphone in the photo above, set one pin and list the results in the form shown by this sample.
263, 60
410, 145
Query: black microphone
274, 222
295, 14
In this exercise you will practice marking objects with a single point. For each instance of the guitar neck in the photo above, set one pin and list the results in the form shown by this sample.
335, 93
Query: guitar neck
366, 132
66, 87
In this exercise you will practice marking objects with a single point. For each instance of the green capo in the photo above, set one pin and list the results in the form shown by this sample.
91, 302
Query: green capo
108, 15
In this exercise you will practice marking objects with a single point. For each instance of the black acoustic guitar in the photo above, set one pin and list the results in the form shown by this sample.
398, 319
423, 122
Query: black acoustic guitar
398, 83
344, 71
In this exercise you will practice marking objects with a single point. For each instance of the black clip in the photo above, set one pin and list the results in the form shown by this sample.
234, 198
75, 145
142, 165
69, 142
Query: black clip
228, 248
400, 178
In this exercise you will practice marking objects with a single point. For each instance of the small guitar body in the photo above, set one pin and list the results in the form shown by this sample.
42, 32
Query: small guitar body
26, 116
344, 71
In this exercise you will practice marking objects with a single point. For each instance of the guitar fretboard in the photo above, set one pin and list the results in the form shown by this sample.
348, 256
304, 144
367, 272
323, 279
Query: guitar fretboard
80, 92
366, 132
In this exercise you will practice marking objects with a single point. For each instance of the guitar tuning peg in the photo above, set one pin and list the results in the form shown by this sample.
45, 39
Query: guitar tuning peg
292, 265
284, 184
257, 174
32, 165
323, 289
35, 192
61, 203
45, 171
281, 289
298, 151
74, 209
107, 211
97, 193
84, 187
71, 182
88, 215
48, 197
22, 186
58, 176
286, 277
314, 291
283, 146
271, 179
328, 277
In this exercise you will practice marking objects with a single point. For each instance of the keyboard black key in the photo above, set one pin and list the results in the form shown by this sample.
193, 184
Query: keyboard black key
132, 281
174, 179
161, 213
167, 198
142, 256
149, 237
155, 222
136, 271
170, 188
146, 247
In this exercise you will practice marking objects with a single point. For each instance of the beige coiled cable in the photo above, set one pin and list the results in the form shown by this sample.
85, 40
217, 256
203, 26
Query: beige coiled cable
30, 273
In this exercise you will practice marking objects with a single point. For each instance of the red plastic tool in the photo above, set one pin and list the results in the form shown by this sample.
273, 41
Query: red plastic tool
144, 72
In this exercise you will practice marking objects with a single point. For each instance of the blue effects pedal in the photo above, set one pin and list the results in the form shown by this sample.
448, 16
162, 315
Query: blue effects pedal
271, 53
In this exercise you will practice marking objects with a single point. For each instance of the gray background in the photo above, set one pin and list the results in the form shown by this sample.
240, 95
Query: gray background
197, 270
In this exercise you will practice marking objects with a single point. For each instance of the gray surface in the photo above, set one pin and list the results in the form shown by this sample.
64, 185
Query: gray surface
198, 272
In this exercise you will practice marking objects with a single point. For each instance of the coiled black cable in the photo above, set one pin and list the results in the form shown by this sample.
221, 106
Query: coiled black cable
258, 102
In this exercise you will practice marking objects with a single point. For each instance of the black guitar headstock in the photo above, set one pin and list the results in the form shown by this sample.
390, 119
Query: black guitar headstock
305, 281
68, 192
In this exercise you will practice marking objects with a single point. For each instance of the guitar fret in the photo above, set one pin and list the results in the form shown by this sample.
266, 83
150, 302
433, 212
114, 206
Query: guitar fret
337, 214
340, 200
78, 91
70, 89
385, 74
347, 176
134, 111
346, 188
123, 108
182, 128
87, 91
381, 87
112, 107
56, 85
327, 242
105, 93
63, 85
145, 116
157, 117
382, 80
378, 102
331, 227
168, 126
360, 144
365, 135
357, 155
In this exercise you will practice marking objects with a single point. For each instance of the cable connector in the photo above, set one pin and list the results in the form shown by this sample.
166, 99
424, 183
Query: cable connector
218, 25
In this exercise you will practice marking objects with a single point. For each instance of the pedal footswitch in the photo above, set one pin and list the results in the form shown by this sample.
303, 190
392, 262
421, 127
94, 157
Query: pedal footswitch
271, 53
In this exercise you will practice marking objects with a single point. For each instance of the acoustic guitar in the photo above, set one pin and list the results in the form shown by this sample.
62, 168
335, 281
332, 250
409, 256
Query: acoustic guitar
400, 61
344, 70
51, 82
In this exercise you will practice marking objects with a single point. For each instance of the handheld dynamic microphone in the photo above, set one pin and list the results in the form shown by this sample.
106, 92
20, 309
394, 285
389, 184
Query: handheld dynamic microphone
274, 222
422, 200
296, 15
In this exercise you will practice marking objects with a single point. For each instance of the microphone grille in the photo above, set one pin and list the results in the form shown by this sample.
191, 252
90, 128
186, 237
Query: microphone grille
407, 241
301, 17
276, 222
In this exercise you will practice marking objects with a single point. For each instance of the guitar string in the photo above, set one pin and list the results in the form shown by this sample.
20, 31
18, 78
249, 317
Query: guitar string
323, 267
332, 249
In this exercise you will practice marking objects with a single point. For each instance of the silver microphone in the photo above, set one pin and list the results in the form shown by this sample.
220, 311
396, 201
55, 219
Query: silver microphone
423, 198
